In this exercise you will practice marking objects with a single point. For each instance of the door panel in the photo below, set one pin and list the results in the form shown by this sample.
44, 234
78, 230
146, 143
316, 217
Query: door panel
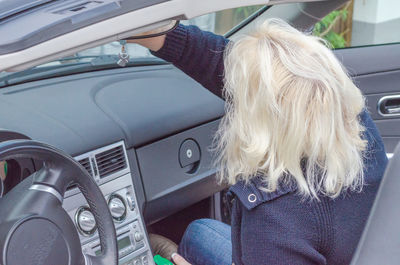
376, 71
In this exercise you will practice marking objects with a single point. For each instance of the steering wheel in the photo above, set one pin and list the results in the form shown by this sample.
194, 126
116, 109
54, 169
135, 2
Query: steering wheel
34, 228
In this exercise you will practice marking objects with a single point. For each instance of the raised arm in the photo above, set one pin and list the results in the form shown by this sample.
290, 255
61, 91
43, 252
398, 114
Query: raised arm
197, 53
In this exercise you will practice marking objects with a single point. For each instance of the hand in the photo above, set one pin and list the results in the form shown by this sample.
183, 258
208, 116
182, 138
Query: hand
153, 44
179, 260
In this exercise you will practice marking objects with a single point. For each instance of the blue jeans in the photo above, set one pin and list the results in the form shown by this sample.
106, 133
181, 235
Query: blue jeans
207, 242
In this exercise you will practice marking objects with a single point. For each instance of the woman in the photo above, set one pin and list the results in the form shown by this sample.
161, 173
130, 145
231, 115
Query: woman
297, 146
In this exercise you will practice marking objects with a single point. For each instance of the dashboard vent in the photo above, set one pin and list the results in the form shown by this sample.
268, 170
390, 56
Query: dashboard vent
110, 161
86, 164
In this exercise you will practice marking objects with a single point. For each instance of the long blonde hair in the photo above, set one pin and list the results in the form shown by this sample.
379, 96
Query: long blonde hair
291, 110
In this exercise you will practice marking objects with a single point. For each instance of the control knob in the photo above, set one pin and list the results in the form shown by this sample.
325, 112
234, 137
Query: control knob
138, 236
85, 221
117, 207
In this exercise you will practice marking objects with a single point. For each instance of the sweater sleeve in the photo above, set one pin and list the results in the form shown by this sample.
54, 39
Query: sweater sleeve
197, 53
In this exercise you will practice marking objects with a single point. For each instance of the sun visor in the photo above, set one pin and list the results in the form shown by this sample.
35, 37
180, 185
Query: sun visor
28, 23
9, 8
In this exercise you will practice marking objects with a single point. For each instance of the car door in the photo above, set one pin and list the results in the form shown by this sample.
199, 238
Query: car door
372, 59
375, 69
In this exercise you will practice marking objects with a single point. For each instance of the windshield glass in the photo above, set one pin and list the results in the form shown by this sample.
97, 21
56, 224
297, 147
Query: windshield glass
106, 56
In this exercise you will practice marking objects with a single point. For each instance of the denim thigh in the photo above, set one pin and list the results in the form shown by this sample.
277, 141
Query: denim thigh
207, 242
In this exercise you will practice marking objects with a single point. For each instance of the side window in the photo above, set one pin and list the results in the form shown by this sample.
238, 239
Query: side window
361, 23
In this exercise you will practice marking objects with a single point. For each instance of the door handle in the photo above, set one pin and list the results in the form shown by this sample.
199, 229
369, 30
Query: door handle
393, 110
389, 105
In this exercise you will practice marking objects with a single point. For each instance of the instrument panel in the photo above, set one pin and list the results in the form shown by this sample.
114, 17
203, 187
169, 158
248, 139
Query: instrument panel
109, 167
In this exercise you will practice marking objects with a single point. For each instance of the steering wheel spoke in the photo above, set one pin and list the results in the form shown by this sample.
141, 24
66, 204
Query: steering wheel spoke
55, 178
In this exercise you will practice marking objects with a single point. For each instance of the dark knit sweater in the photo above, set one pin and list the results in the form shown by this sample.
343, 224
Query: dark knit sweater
278, 227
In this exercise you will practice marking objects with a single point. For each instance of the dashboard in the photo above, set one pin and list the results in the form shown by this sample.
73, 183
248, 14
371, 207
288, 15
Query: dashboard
142, 133
79, 113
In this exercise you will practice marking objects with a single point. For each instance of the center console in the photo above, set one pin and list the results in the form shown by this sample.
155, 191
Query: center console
109, 167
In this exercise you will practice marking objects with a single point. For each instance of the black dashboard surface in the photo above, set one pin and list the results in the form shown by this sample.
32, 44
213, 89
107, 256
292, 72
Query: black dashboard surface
81, 112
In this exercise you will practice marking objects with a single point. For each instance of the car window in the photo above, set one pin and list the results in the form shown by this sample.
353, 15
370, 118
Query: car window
361, 23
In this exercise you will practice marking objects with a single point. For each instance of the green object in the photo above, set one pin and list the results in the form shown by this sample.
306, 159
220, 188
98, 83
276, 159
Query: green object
5, 168
326, 28
162, 261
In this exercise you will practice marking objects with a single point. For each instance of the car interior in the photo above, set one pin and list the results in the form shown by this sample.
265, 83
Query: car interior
144, 134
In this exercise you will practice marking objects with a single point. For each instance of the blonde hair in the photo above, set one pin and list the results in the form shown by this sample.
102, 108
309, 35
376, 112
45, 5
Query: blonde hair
292, 114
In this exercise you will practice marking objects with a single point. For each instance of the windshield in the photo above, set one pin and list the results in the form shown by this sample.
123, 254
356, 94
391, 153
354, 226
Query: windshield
106, 56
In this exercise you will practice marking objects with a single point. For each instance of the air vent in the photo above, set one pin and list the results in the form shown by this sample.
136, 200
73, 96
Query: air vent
110, 161
86, 164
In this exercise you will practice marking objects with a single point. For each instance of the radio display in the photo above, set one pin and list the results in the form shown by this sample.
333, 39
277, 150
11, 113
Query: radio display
122, 243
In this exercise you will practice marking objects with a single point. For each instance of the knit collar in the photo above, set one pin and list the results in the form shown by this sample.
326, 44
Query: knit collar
251, 194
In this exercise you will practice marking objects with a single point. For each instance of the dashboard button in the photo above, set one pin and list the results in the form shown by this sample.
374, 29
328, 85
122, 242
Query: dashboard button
138, 236
145, 260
